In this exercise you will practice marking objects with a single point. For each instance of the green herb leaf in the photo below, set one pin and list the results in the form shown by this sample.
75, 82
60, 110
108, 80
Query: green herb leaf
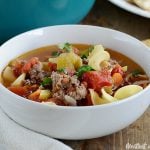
61, 70
83, 69
55, 53
66, 46
90, 49
136, 72
84, 56
85, 53
46, 81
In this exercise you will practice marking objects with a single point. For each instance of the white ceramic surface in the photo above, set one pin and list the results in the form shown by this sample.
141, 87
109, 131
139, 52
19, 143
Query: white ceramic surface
75, 122
131, 8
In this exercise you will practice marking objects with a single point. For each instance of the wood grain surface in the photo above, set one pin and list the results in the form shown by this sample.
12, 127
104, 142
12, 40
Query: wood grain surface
107, 15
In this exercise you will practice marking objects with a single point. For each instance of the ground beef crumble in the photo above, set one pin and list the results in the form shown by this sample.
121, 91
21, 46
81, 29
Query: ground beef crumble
35, 75
64, 84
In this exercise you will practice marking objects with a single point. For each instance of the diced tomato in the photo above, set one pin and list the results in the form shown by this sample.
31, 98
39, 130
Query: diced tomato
22, 91
53, 66
97, 79
26, 67
117, 69
30, 64
17, 68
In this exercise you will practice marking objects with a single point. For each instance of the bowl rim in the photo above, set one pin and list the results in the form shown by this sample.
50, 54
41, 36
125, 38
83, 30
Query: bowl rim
116, 103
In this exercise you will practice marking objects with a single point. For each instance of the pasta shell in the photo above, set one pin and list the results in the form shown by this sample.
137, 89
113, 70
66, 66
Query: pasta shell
106, 97
63, 61
75, 59
19, 80
53, 60
96, 50
8, 74
44, 94
127, 91
49, 103
96, 100
67, 60
97, 56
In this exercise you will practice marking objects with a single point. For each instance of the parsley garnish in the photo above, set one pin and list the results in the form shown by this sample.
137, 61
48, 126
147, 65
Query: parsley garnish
136, 72
61, 70
90, 49
55, 53
66, 46
87, 51
47, 81
83, 69
84, 56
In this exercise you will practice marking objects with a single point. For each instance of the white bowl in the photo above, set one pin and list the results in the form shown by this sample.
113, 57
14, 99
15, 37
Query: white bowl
75, 122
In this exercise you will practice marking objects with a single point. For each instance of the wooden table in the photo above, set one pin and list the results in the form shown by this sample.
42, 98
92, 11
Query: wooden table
107, 15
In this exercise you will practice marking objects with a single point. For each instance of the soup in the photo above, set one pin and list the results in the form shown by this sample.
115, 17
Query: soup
74, 75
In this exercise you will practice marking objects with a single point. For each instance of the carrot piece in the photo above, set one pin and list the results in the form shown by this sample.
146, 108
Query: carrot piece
35, 95
26, 67
117, 69
30, 64
117, 79
22, 91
